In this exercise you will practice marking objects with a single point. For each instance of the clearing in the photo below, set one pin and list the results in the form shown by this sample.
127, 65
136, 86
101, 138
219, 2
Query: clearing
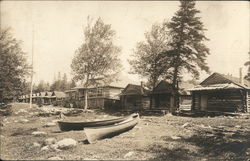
165, 137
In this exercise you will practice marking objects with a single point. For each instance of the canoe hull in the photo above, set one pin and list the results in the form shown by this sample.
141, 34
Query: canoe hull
97, 133
67, 126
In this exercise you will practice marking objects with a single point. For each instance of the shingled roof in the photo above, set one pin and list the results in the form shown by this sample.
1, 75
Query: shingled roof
132, 89
218, 81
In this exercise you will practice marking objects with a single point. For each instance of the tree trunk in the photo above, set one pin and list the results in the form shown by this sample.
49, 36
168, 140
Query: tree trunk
175, 88
86, 99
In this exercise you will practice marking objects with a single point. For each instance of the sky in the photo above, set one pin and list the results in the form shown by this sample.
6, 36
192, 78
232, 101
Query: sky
58, 31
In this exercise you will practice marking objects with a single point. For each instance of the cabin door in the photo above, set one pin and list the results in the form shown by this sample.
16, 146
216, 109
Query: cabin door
203, 102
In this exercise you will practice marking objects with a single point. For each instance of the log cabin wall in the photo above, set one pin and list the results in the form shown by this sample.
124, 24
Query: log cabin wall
185, 102
220, 100
195, 101
161, 101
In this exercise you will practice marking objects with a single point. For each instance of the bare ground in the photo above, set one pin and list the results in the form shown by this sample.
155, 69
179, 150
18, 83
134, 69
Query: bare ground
154, 138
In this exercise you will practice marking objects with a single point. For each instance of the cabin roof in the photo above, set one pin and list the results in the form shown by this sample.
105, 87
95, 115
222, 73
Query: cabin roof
132, 89
218, 81
58, 94
71, 90
165, 87
93, 87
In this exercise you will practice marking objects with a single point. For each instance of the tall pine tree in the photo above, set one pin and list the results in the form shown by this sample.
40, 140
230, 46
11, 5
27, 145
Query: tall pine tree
187, 49
247, 77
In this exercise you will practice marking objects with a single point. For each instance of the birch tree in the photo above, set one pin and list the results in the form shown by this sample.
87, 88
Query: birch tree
96, 61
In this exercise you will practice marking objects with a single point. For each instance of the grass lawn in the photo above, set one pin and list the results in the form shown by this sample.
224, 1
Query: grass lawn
155, 137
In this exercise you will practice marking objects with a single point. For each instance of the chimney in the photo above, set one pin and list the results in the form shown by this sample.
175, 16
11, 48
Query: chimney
241, 77
141, 87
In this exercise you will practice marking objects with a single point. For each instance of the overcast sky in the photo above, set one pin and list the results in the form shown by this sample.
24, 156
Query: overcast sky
58, 27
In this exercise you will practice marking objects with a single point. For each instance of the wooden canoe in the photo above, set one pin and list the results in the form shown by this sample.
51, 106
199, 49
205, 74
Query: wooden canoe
96, 133
76, 125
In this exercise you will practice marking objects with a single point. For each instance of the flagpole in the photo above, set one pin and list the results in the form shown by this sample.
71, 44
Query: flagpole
31, 79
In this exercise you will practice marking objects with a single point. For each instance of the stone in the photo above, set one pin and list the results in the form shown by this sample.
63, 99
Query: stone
55, 158
175, 137
185, 125
50, 141
38, 133
66, 143
22, 110
45, 148
105, 116
36, 144
55, 121
238, 126
50, 124
24, 120
129, 154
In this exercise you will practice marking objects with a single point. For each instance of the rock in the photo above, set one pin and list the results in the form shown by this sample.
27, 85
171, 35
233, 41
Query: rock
45, 148
22, 111
185, 125
36, 144
55, 158
55, 121
129, 154
50, 141
175, 137
38, 133
238, 126
66, 143
104, 116
50, 124
24, 120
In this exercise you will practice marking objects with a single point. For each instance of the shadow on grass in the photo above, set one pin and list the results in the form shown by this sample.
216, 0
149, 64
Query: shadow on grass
217, 146
21, 131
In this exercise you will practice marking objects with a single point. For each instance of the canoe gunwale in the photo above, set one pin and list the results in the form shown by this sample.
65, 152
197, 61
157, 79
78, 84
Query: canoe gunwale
69, 125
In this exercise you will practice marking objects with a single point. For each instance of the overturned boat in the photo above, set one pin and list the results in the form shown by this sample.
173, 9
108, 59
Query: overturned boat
76, 125
96, 133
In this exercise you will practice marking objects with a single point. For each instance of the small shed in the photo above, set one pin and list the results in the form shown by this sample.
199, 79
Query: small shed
222, 93
135, 97
162, 96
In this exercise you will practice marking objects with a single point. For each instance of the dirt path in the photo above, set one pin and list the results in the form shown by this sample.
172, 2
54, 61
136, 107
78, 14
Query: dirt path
155, 137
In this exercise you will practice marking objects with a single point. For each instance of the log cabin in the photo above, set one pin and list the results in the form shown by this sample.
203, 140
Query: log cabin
222, 93
135, 97
41, 98
57, 98
48, 98
102, 97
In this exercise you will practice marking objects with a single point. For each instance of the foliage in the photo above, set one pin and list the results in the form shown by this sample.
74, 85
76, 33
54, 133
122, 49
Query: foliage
148, 58
187, 50
13, 66
62, 84
42, 86
247, 77
96, 60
